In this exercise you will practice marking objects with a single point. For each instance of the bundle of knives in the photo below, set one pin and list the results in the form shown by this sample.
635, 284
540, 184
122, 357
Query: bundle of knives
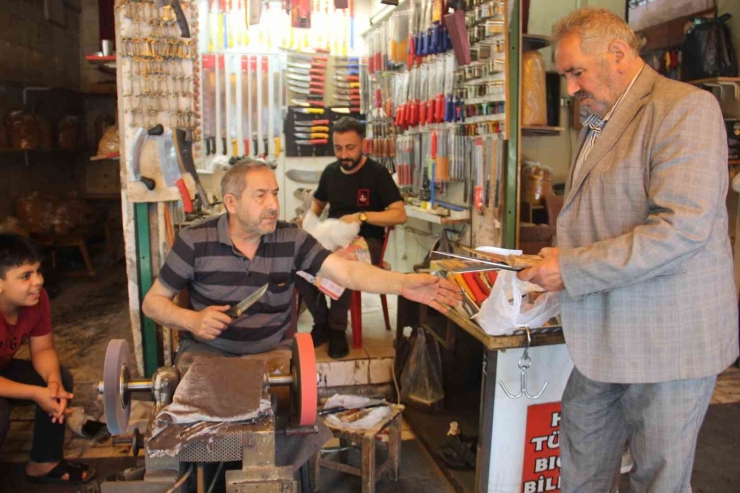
476, 276
267, 27
242, 97
347, 85
306, 75
425, 94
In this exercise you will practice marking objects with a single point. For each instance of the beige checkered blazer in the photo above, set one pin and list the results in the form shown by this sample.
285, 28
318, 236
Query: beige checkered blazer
646, 260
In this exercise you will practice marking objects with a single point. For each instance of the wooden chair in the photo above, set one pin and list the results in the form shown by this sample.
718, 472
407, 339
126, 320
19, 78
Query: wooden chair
72, 240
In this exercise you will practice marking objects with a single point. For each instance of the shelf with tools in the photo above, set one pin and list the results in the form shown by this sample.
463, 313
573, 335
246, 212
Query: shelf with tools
437, 98
415, 212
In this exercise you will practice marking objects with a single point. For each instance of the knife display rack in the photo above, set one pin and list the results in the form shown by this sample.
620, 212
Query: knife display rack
438, 117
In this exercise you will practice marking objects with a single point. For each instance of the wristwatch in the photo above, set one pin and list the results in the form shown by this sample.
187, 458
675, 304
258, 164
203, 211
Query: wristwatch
363, 217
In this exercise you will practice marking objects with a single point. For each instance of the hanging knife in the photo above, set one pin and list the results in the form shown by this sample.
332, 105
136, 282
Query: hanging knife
311, 142
318, 135
309, 111
307, 103
311, 123
171, 170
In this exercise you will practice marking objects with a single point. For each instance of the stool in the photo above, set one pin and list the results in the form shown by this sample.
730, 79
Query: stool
366, 439
73, 240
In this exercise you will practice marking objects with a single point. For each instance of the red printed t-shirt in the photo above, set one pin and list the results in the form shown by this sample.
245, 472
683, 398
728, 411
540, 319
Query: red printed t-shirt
33, 321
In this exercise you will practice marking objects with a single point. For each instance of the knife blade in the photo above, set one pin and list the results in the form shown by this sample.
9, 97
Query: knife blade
487, 263
237, 310
184, 151
370, 404
171, 170
307, 103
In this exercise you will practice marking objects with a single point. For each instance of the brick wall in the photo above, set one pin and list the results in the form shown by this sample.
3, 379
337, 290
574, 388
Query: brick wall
34, 51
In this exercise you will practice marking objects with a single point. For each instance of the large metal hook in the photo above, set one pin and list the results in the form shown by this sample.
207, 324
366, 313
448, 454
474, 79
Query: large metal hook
524, 363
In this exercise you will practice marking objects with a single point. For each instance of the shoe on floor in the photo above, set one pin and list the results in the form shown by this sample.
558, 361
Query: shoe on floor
319, 335
338, 347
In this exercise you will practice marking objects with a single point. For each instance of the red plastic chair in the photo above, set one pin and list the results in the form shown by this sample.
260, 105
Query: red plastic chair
355, 307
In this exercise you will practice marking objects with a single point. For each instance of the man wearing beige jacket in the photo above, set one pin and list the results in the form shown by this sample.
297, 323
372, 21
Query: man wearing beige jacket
643, 261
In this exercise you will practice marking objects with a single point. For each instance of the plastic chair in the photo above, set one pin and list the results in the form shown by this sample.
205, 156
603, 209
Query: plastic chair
355, 307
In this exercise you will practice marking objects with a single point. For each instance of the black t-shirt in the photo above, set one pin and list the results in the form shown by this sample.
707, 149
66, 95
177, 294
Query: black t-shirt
371, 189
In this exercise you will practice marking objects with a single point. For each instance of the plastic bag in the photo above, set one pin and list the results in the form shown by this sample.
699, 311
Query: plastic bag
505, 310
534, 93
331, 233
109, 142
707, 50
421, 378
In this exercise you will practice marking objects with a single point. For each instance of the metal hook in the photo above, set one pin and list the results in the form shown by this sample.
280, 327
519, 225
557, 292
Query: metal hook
524, 363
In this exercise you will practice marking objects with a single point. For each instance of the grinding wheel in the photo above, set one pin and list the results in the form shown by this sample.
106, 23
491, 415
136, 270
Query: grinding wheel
305, 391
115, 394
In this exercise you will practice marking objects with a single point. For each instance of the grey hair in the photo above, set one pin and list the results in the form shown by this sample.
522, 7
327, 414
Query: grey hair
235, 180
595, 27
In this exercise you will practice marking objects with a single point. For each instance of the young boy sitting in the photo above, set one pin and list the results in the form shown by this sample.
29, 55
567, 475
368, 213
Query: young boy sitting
25, 315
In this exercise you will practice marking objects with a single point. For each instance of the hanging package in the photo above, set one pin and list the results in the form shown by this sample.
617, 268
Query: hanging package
707, 50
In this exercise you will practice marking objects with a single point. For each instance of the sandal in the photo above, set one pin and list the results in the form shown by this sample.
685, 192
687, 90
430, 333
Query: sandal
55, 476
459, 453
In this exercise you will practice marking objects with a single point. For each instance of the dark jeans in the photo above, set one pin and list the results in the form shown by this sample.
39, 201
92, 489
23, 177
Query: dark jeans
48, 437
336, 317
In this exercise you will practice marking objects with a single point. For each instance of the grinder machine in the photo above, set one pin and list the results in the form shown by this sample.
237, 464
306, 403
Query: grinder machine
253, 443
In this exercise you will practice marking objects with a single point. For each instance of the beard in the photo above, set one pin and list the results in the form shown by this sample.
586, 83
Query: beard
350, 164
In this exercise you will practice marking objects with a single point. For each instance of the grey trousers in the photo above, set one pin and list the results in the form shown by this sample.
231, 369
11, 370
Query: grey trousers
660, 420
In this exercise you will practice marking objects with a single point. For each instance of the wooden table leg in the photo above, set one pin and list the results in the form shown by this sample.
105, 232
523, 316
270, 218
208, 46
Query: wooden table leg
394, 444
316, 466
368, 463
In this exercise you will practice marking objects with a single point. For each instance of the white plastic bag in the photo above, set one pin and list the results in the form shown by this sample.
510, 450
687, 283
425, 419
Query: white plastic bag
333, 234
505, 310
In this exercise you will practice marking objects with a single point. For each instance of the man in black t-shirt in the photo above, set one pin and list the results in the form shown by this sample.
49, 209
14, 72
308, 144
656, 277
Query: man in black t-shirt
358, 190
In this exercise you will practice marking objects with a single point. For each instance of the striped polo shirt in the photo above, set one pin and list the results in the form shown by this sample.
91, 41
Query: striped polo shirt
204, 260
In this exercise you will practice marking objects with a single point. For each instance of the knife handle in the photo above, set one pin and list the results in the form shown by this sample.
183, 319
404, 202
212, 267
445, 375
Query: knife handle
182, 21
148, 183
185, 195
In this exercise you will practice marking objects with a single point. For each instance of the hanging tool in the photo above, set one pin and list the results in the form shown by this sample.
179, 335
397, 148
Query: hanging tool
184, 150
524, 364
171, 170
134, 157
312, 142
182, 21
